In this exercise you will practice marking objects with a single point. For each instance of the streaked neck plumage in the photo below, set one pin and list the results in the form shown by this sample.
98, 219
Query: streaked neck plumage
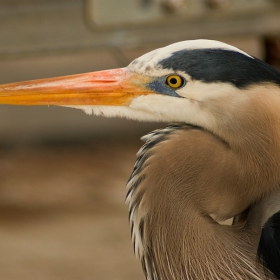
183, 175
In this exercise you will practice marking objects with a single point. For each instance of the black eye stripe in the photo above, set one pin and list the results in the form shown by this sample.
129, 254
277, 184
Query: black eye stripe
218, 65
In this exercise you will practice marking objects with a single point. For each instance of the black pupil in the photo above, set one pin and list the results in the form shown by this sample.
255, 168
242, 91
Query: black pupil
173, 81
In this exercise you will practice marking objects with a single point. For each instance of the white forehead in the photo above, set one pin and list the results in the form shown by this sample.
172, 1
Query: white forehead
148, 63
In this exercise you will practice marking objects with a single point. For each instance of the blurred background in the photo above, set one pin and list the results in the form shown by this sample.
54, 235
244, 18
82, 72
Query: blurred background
63, 173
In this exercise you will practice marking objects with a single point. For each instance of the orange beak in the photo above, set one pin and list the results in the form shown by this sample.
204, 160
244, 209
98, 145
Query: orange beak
117, 87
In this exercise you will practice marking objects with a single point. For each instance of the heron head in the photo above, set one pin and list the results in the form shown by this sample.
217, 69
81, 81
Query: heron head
195, 82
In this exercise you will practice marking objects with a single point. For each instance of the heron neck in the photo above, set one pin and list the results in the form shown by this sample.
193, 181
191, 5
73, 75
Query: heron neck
184, 174
252, 125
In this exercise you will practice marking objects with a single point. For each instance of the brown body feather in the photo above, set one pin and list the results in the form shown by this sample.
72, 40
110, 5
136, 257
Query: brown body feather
189, 174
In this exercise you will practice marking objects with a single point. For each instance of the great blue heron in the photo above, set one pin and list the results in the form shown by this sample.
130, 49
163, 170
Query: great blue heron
220, 160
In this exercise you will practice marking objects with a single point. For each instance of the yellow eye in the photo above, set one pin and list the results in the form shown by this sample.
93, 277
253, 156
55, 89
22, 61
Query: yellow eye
174, 81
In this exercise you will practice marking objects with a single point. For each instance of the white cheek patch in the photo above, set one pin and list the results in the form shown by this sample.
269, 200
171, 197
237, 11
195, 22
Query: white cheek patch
174, 109
211, 95
117, 111
200, 91
157, 108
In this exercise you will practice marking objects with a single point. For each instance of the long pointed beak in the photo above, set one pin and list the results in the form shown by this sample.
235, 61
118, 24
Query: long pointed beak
116, 87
